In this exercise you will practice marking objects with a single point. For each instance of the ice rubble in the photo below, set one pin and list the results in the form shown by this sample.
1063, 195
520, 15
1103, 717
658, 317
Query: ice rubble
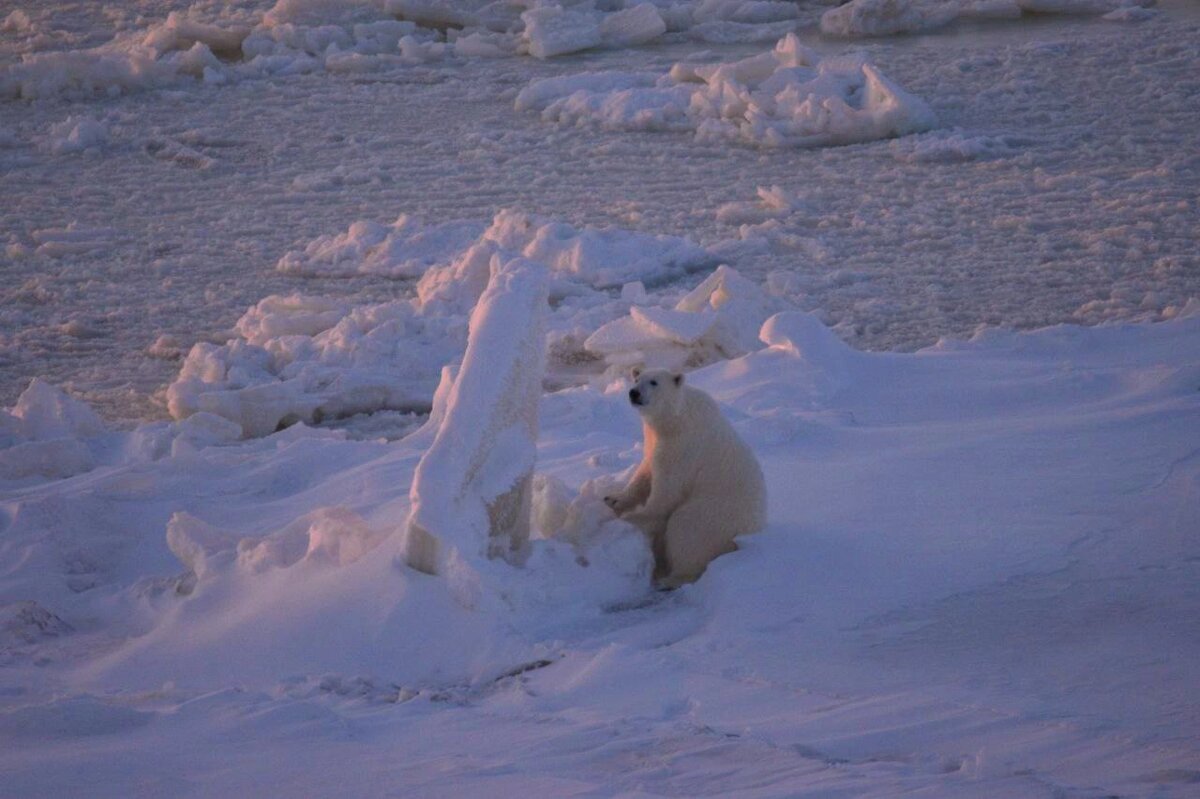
718, 319
301, 358
471, 492
598, 257
301, 36
784, 98
886, 17
304, 358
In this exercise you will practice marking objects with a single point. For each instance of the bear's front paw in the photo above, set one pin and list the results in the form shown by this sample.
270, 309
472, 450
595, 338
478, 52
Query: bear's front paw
616, 503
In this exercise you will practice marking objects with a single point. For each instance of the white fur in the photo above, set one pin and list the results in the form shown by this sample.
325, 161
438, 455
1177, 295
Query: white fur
698, 485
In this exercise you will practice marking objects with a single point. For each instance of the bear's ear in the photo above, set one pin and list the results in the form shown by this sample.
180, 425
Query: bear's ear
635, 372
678, 379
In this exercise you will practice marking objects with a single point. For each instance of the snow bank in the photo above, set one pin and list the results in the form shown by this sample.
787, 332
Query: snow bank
887, 17
718, 319
786, 98
471, 492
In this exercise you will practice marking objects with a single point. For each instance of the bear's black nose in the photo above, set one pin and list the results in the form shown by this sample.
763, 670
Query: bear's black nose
635, 396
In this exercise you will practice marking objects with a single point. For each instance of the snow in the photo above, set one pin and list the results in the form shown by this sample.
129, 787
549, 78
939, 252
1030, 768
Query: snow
787, 98
245, 245
956, 549
471, 492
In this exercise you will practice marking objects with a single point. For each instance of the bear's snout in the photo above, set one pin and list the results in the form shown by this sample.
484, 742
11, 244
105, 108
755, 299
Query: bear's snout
635, 396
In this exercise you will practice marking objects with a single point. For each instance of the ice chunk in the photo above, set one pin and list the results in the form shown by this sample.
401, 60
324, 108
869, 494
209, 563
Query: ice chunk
202, 430
884, 17
199, 546
46, 412
179, 32
632, 26
553, 30
75, 134
46, 434
471, 490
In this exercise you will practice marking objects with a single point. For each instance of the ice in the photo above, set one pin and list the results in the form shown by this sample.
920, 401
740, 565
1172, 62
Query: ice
76, 134
46, 434
406, 248
598, 257
887, 17
718, 319
785, 99
632, 26
471, 493
301, 358
552, 30
17, 21
306, 359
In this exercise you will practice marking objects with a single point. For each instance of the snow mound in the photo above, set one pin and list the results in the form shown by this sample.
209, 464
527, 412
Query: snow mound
472, 490
718, 319
785, 98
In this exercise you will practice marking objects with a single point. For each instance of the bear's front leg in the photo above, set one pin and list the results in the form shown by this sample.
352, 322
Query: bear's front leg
634, 494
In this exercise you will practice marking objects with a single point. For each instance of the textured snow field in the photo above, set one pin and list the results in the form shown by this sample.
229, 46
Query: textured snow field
1060, 186
980, 575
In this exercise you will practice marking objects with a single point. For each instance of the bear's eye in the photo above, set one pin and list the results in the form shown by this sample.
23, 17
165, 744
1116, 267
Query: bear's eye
654, 382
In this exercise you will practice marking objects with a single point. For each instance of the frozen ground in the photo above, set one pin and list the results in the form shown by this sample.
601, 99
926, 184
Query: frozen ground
980, 573
1059, 186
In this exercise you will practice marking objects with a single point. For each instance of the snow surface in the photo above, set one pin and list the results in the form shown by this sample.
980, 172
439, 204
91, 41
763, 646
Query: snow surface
979, 579
269, 221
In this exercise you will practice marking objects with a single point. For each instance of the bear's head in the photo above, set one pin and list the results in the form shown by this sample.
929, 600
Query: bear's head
656, 391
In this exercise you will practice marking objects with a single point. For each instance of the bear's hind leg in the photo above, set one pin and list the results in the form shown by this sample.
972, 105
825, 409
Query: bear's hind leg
692, 541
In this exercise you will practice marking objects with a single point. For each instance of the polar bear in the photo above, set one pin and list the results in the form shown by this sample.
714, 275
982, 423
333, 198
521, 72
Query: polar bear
698, 485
